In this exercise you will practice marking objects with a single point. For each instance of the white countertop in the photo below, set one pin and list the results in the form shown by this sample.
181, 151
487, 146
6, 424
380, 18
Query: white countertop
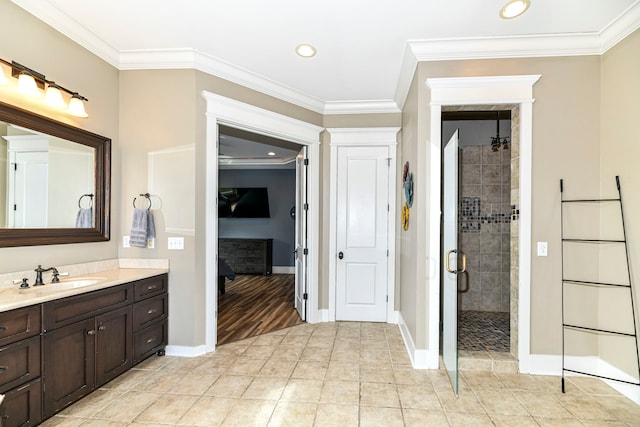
14, 297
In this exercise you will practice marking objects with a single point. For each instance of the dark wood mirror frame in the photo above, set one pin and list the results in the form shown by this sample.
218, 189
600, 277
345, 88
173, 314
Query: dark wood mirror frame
11, 237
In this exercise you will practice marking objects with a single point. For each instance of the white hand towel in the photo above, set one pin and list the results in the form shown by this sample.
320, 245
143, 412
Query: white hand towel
84, 219
139, 226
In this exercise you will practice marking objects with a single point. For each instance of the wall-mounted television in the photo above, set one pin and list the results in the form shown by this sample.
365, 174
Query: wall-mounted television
243, 202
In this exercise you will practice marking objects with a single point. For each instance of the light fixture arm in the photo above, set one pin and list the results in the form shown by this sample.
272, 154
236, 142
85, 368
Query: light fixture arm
41, 80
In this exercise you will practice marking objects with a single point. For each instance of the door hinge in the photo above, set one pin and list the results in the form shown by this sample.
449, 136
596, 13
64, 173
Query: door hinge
388, 161
15, 207
306, 162
305, 251
387, 252
305, 296
306, 206
387, 298
15, 166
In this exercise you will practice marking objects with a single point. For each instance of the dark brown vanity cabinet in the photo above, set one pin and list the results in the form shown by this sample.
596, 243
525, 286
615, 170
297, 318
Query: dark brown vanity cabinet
90, 339
54, 353
20, 367
87, 342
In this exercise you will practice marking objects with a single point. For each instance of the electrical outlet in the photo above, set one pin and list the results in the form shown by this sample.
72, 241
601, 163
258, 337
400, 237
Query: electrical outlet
543, 249
125, 242
151, 243
175, 243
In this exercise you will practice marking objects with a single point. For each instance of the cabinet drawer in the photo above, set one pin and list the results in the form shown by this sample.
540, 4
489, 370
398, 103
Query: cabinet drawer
149, 311
149, 340
19, 363
22, 406
150, 287
19, 324
68, 310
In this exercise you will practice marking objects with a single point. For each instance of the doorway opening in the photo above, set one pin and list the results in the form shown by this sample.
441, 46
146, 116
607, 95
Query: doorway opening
487, 231
223, 111
259, 194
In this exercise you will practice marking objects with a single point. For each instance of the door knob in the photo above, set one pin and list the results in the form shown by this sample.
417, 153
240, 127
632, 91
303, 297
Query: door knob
340, 255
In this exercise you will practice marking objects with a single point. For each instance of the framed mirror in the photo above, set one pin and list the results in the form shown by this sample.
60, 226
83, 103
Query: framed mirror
54, 181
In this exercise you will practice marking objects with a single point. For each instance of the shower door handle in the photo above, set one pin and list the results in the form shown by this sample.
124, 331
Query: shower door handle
464, 261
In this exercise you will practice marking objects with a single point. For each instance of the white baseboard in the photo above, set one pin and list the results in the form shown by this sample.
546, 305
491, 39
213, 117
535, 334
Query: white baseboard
394, 318
551, 364
283, 270
419, 358
184, 351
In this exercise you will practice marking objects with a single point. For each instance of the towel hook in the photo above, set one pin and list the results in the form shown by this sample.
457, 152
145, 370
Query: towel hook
90, 196
147, 195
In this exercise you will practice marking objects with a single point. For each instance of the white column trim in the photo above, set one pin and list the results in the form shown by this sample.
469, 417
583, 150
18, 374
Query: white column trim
227, 111
478, 91
362, 137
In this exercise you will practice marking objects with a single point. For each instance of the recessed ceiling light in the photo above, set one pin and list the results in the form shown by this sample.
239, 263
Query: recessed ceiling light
271, 153
514, 8
305, 50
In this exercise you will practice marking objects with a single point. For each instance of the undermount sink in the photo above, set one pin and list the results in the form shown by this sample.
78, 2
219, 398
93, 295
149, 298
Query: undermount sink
71, 283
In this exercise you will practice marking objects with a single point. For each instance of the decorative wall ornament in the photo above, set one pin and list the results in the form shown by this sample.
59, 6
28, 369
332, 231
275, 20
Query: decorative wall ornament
405, 217
408, 189
407, 185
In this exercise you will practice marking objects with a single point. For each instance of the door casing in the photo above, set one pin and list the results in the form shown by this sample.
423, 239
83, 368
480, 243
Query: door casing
491, 90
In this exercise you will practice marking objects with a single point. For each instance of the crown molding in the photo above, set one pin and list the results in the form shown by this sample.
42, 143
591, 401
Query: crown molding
416, 51
52, 16
191, 58
383, 106
621, 27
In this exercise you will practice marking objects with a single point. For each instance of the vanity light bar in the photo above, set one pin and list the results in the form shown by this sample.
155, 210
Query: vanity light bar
32, 83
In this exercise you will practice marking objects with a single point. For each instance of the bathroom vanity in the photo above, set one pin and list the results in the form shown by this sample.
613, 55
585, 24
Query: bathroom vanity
61, 343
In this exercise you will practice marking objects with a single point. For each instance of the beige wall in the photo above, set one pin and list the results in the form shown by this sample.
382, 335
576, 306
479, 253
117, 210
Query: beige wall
143, 111
566, 135
620, 151
28, 41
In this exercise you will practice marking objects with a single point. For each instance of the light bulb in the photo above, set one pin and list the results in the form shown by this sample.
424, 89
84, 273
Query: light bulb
53, 97
3, 78
27, 85
76, 107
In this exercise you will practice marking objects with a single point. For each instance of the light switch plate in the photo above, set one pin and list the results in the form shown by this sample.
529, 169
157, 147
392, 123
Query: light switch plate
175, 243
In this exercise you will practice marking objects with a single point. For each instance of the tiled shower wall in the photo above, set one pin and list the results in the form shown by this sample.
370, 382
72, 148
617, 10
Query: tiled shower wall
484, 234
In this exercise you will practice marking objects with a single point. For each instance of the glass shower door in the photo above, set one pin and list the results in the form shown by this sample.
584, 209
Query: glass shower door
453, 262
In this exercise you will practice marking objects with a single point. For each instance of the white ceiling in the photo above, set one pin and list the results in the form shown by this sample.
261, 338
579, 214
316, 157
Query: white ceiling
367, 49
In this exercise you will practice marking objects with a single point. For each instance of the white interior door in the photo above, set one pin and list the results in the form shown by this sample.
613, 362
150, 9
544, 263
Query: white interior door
300, 253
450, 266
29, 190
362, 233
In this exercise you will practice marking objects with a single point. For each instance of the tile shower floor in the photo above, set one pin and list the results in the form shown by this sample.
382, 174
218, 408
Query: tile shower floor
483, 331
336, 374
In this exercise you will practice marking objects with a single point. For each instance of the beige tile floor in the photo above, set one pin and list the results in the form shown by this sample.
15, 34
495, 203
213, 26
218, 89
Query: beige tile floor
336, 374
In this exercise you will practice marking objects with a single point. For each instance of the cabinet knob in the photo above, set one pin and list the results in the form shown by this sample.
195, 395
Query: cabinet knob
151, 311
150, 340
102, 328
91, 332
151, 287
3, 368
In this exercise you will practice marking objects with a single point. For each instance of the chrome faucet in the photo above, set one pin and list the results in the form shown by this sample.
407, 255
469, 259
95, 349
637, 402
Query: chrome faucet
41, 270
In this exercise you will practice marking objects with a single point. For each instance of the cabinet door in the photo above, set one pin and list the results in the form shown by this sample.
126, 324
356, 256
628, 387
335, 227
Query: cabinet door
22, 406
114, 344
69, 364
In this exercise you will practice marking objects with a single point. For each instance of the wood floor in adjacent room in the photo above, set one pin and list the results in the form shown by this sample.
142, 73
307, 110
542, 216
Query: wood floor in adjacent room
255, 305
